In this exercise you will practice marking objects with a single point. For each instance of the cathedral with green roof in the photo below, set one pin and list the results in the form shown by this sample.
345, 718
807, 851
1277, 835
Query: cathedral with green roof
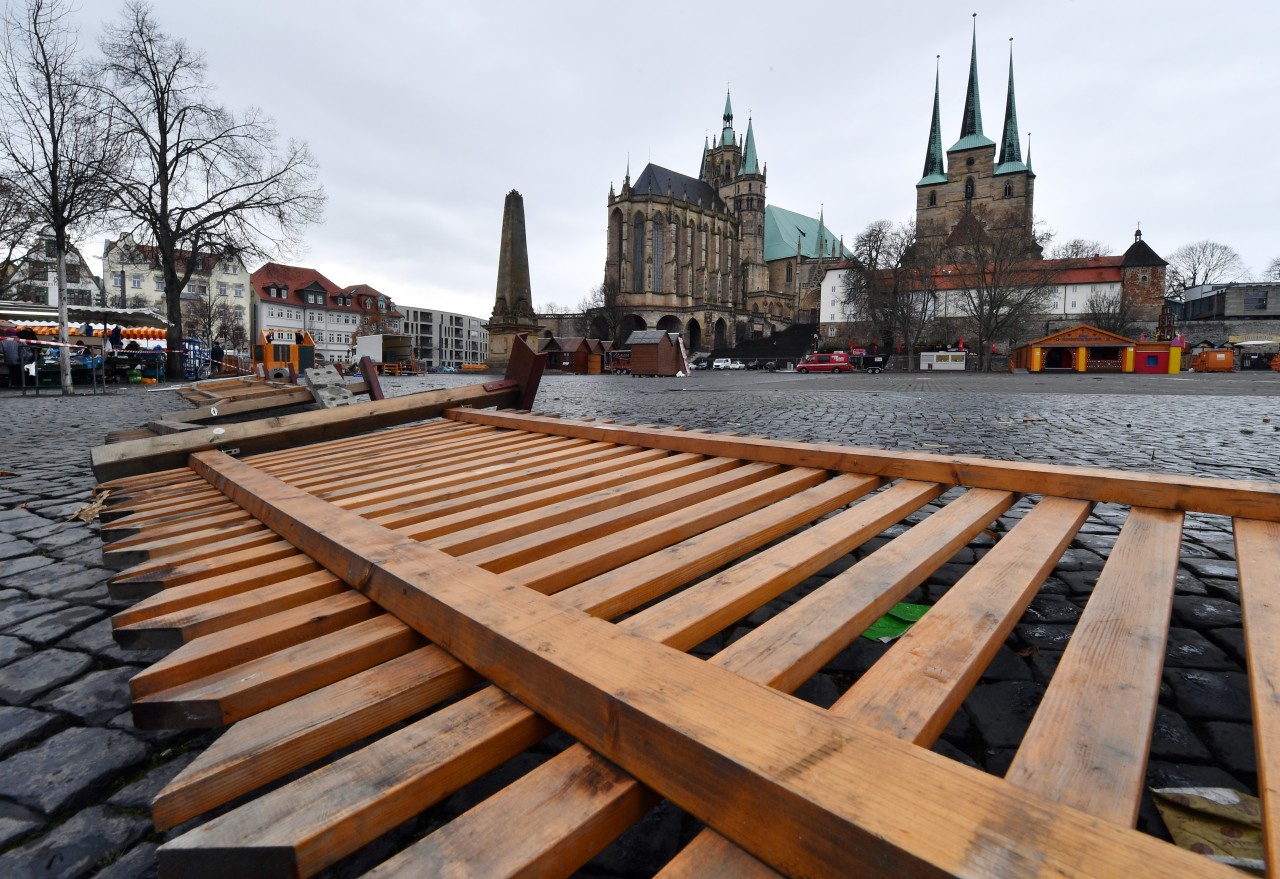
972, 180
705, 256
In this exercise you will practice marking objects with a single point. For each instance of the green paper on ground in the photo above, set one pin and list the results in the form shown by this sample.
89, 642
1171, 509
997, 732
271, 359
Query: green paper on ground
895, 623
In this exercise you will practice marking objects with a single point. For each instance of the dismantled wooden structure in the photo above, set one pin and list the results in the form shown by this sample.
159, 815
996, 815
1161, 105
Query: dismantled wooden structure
471, 584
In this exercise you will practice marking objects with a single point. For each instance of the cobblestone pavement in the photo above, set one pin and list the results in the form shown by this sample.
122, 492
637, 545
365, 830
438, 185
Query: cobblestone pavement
76, 777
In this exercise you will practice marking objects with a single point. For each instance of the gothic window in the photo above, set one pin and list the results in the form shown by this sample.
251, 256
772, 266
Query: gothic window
675, 231
788, 273
968, 189
1008, 190
933, 199
637, 253
659, 233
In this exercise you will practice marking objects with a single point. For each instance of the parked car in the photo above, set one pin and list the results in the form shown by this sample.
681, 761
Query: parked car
754, 364
721, 363
700, 363
836, 361
737, 364
448, 369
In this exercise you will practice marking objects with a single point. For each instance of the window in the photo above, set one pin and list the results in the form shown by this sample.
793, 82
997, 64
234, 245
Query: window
788, 273
933, 199
117, 280
136, 282
968, 187
1255, 300
73, 275
1008, 190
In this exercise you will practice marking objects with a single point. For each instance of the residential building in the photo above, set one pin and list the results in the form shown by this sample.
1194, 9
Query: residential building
443, 338
136, 280
34, 277
296, 298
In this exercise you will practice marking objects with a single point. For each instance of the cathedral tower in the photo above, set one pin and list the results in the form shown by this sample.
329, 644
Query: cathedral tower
998, 192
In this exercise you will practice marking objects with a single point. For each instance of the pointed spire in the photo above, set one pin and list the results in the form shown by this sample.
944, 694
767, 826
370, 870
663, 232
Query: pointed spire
971, 135
934, 171
726, 136
749, 163
702, 168
1030, 173
1010, 148
626, 181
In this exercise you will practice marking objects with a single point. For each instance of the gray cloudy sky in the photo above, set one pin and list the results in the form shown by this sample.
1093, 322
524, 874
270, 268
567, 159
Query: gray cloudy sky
423, 115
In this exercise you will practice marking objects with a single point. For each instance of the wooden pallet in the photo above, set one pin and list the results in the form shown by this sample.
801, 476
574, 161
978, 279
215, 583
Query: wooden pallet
434, 599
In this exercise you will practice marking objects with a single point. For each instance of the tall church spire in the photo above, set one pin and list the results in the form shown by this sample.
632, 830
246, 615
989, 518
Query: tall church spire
971, 126
749, 163
1010, 147
726, 136
934, 172
702, 168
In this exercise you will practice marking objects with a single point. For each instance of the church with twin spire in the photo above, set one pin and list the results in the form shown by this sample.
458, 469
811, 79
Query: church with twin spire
972, 181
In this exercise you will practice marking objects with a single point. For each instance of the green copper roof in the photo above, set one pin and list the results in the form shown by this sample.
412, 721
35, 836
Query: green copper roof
1010, 148
749, 163
934, 171
726, 136
971, 135
783, 229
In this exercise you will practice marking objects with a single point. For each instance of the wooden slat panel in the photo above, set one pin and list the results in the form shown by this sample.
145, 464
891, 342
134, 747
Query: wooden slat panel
223, 698
154, 532
1258, 555
182, 545
788, 649
148, 578
615, 693
1255, 500
1088, 742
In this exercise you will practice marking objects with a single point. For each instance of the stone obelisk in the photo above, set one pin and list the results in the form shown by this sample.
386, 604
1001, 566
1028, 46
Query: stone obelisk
513, 304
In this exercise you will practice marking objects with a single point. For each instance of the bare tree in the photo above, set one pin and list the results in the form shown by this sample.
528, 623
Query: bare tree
200, 179
1077, 249
1112, 312
1273, 270
892, 285
18, 227
1001, 282
602, 315
59, 154
209, 317
1204, 262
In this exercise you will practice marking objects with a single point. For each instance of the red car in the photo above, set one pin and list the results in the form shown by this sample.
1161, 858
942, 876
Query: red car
837, 361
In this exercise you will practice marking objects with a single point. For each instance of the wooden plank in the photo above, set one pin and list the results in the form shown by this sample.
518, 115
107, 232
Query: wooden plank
1228, 497
1087, 745
1258, 557
913, 691
269, 745
621, 696
253, 640
170, 630
162, 452
184, 565
253, 686
201, 591
245, 532
599, 514
791, 647
555, 572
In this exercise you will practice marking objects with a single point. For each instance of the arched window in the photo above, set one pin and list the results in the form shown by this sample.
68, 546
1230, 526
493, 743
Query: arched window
659, 234
637, 253
968, 189
933, 199
788, 273
1008, 190
675, 231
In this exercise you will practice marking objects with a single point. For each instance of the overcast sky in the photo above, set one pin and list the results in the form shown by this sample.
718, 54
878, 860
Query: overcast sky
423, 115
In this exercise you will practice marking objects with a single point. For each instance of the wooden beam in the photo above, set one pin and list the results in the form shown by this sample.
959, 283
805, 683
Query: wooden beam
269, 434
1226, 497
690, 730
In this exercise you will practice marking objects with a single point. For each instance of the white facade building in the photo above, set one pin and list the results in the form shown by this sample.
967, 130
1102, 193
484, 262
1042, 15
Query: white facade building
443, 338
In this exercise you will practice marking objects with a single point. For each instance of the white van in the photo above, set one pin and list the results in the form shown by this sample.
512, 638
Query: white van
721, 363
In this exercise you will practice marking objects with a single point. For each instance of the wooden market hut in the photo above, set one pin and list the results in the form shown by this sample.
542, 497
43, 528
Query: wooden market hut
654, 352
1085, 348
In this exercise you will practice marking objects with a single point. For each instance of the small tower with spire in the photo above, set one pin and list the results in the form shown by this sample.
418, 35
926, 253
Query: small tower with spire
725, 156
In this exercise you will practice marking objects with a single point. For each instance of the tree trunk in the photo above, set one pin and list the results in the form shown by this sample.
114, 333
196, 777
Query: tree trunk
64, 338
